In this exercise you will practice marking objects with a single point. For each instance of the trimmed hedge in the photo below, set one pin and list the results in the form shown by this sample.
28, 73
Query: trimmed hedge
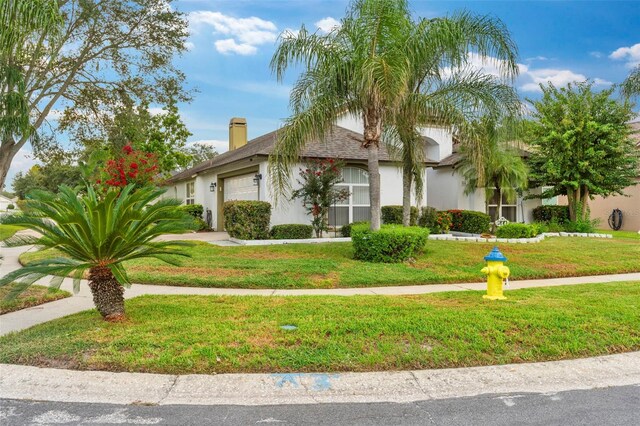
291, 232
345, 230
391, 244
392, 215
195, 210
546, 214
470, 221
437, 222
11, 207
247, 220
518, 230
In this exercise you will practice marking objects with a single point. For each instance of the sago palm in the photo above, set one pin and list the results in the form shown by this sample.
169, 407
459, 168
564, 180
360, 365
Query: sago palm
96, 234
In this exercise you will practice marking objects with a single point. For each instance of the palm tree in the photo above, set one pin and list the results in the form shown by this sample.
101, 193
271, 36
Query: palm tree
631, 86
503, 171
366, 68
97, 234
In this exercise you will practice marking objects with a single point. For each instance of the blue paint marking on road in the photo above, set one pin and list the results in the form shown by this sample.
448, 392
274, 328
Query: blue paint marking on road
321, 381
291, 378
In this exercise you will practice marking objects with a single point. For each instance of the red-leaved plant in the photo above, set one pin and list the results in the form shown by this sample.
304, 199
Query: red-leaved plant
132, 167
317, 191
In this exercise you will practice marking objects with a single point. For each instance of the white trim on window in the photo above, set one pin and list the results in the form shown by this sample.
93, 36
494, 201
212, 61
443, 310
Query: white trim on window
190, 193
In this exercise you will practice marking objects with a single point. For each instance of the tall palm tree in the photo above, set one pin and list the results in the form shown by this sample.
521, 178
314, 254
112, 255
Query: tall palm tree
631, 86
97, 234
365, 68
503, 172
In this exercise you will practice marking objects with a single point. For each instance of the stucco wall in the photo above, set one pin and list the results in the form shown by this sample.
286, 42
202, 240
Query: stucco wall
601, 208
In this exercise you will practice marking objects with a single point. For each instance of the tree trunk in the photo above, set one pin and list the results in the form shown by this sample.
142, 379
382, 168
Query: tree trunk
372, 134
407, 178
8, 150
108, 294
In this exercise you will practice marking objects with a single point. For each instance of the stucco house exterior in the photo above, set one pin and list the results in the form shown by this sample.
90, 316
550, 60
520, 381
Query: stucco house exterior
242, 174
629, 204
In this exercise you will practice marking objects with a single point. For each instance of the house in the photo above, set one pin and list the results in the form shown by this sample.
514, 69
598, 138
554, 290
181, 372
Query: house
629, 203
242, 174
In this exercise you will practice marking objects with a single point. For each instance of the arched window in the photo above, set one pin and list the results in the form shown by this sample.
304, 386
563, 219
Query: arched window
356, 208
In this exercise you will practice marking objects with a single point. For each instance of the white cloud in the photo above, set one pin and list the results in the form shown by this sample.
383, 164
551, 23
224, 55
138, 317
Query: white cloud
22, 162
596, 54
229, 45
54, 114
555, 76
326, 25
537, 58
272, 90
189, 45
630, 54
157, 111
220, 146
243, 34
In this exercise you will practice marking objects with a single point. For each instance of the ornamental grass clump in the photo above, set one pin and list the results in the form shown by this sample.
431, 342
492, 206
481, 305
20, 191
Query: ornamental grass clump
390, 244
97, 232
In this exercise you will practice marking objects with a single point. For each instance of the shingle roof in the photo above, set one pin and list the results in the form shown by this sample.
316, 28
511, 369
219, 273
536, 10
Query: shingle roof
340, 143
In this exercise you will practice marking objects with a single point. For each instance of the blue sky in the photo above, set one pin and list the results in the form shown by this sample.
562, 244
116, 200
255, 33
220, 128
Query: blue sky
232, 41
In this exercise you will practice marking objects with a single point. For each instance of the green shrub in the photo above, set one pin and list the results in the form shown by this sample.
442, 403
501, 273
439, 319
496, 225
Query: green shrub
586, 226
437, 222
22, 205
470, 221
291, 232
547, 214
391, 244
518, 230
345, 230
195, 210
247, 220
392, 215
11, 207
202, 225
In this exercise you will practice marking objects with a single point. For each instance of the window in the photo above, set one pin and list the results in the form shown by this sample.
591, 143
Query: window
356, 208
190, 193
553, 201
508, 211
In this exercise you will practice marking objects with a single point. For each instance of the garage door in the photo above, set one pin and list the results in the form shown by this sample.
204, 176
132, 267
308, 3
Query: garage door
240, 188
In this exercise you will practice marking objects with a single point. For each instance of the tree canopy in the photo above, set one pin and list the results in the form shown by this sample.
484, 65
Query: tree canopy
104, 52
581, 144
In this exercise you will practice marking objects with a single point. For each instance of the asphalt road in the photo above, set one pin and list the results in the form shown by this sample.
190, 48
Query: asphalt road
609, 406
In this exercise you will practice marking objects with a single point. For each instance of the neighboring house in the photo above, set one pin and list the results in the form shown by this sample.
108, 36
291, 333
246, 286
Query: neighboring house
242, 174
629, 204
6, 201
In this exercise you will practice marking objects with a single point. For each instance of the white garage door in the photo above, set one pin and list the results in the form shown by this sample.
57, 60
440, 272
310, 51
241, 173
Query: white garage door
240, 188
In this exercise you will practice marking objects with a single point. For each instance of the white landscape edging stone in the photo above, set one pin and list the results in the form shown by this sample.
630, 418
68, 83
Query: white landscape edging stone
279, 242
441, 237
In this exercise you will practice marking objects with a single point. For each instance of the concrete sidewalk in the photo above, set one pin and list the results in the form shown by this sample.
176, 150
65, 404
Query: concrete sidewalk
48, 384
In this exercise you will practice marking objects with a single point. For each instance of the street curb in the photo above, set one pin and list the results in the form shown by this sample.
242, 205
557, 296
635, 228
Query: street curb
48, 384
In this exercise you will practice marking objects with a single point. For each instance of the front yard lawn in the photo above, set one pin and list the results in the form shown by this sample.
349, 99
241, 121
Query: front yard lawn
7, 231
33, 296
634, 235
207, 334
332, 265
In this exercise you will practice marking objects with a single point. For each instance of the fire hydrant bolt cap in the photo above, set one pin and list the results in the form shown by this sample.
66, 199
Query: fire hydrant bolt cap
495, 256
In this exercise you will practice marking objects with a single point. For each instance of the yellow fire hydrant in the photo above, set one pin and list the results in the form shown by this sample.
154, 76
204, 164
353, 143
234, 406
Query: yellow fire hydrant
496, 273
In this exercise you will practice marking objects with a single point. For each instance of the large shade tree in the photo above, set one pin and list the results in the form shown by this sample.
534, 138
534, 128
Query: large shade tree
97, 234
105, 50
581, 145
366, 68
631, 86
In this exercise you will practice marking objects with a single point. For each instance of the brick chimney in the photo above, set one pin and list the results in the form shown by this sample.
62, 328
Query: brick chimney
237, 133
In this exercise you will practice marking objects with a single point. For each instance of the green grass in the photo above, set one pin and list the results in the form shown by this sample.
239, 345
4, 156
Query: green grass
332, 265
207, 334
7, 231
620, 234
33, 296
